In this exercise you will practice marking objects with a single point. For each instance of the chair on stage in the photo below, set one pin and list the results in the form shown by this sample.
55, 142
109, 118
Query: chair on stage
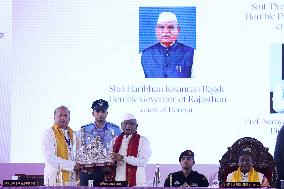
263, 163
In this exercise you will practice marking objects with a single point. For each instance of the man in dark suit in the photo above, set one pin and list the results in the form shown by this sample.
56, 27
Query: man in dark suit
168, 58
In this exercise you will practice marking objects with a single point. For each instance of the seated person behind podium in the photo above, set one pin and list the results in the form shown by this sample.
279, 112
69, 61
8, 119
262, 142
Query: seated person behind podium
131, 152
246, 172
186, 177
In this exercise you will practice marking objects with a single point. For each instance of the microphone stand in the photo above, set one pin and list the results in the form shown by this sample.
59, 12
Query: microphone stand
156, 181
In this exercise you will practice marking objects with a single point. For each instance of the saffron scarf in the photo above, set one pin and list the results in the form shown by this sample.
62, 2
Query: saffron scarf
62, 148
252, 176
132, 150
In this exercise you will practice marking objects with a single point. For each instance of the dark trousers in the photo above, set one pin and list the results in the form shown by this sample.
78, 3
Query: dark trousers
96, 175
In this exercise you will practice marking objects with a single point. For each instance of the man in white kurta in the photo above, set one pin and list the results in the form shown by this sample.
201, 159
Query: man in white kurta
132, 152
51, 148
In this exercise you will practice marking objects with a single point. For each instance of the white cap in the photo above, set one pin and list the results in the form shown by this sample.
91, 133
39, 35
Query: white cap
166, 16
128, 116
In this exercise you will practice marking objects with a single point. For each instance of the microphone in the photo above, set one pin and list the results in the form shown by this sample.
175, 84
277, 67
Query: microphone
157, 176
59, 176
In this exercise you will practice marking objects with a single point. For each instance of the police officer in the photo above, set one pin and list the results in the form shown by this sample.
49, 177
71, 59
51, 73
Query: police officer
186, 177
106, 131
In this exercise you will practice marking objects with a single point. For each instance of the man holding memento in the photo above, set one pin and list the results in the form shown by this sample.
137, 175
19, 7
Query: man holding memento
131, 152
57, 149
94, 144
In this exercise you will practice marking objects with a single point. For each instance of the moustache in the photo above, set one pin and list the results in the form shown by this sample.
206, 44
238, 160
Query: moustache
166, 35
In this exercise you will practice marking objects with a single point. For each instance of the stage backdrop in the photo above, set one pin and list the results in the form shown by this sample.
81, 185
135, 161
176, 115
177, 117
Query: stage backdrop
73, 52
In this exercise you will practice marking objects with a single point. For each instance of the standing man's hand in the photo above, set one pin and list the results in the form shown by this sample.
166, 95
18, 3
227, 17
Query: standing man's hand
77, 167
116, 157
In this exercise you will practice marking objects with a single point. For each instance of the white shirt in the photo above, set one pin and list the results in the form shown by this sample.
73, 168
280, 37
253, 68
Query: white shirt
52, 161
143, 156
245, 177
278, 97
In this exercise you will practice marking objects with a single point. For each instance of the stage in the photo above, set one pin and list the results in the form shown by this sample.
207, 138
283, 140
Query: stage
10, 169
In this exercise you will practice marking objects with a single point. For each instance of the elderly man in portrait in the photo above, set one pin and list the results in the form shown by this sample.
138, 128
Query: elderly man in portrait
168, 58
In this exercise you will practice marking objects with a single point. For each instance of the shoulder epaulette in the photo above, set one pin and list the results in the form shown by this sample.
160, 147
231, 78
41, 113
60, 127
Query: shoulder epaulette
112, 124
86, 125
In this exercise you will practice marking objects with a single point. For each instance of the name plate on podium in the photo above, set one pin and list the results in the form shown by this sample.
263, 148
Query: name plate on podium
242, 185
114, 184
20, 183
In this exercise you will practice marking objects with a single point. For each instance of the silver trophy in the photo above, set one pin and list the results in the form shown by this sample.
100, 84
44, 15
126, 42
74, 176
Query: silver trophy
94, 154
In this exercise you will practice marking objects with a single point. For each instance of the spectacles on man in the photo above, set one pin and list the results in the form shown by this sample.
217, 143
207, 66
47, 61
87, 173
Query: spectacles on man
167, 27
131, 123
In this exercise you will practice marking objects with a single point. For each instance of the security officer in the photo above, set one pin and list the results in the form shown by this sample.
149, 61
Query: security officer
88, 133
186, 177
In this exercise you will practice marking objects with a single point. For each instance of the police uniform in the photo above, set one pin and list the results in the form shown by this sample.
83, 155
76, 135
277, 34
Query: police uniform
89, 133
194, 179
178, 179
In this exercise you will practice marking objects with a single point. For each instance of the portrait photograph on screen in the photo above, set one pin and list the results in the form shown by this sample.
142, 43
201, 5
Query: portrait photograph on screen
167, 40
277, 79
